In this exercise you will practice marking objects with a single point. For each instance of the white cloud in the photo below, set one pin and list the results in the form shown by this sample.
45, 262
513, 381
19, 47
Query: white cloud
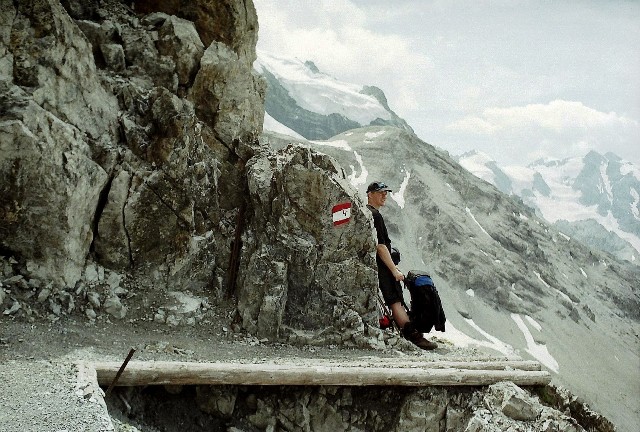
342, 40
557, 116
558, 129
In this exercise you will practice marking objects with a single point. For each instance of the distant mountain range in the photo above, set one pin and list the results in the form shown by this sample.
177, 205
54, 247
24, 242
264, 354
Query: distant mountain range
594, 198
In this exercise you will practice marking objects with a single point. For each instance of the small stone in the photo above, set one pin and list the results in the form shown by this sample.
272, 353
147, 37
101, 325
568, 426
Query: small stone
90, 313
13, 309
44, 294
13, 280
91, 273
114, 307
159, 317
518, 408
94, 299
34, 283
55, 307
113, 280
173, 320
114, 56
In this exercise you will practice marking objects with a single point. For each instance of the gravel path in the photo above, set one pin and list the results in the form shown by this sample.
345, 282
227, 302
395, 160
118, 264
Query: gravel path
43, 396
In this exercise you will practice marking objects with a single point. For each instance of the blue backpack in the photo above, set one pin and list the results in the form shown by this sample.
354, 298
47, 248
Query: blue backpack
426, 307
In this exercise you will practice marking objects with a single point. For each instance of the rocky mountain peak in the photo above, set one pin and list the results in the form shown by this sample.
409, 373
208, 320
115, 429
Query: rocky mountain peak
312, 66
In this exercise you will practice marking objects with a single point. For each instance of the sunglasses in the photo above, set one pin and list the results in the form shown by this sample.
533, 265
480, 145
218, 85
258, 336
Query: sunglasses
377, 187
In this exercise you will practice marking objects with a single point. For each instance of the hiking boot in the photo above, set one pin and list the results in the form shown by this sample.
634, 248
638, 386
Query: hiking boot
425, 344
415, 337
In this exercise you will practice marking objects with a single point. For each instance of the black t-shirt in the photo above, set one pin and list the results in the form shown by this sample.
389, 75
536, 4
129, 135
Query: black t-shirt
381, 231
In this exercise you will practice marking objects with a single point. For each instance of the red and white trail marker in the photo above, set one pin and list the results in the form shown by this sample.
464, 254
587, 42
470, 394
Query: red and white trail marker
341, 213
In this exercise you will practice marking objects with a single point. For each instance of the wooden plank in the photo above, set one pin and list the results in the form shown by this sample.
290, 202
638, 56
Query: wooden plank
184, 373
530, 365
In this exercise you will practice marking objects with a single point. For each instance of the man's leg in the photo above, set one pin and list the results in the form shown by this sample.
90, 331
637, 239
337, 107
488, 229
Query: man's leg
392, 293
408, 331
399, 314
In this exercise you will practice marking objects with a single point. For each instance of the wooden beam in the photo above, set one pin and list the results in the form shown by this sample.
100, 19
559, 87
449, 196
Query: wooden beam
183, 373
530, 365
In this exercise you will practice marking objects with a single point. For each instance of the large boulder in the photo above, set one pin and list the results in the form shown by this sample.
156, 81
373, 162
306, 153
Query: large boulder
228, 94
299, 270
49, 194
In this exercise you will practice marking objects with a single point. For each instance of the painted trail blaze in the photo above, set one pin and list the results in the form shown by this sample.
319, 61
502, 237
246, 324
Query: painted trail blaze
341, 213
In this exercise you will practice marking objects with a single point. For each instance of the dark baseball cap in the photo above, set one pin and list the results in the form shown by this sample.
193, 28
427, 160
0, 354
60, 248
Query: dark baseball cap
377, 187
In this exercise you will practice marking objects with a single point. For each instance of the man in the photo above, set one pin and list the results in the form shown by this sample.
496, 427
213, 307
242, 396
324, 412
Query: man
389, 276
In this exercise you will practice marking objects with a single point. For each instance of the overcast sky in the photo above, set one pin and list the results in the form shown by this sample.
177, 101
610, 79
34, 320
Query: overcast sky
518, 80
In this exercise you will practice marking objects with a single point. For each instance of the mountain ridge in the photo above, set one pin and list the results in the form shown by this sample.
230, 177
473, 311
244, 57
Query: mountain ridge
316, 105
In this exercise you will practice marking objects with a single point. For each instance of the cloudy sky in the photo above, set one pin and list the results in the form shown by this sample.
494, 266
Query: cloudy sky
516, 79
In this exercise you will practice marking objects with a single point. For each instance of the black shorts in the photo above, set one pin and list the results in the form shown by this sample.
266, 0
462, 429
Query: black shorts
389, 286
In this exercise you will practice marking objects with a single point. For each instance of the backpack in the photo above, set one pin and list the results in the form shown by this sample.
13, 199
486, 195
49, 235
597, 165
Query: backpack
426, 308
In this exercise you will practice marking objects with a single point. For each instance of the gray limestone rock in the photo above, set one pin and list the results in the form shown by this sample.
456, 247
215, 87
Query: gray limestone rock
178, 39
235, 110
298, 266
114, 307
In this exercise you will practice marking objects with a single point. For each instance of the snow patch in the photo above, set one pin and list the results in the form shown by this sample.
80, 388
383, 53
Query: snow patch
398, 197
635, 207
629, 168
606, 182
357, 180
583, 273
541, 280
321, 93
470, 293
566, 237
536, 350
340, 144
476, 221
533, 323
371, 135
564, 296
476, 164
461, 339
273, 125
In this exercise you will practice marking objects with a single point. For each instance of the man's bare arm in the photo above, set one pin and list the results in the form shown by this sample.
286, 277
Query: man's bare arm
385, 256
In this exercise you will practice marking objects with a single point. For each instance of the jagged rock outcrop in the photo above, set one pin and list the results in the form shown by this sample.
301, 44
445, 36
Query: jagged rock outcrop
299, 270
130, 145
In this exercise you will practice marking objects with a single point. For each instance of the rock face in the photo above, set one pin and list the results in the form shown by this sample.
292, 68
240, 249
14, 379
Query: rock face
500, 407
129, 149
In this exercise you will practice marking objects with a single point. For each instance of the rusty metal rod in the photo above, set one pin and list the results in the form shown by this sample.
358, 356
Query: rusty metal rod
115, 379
